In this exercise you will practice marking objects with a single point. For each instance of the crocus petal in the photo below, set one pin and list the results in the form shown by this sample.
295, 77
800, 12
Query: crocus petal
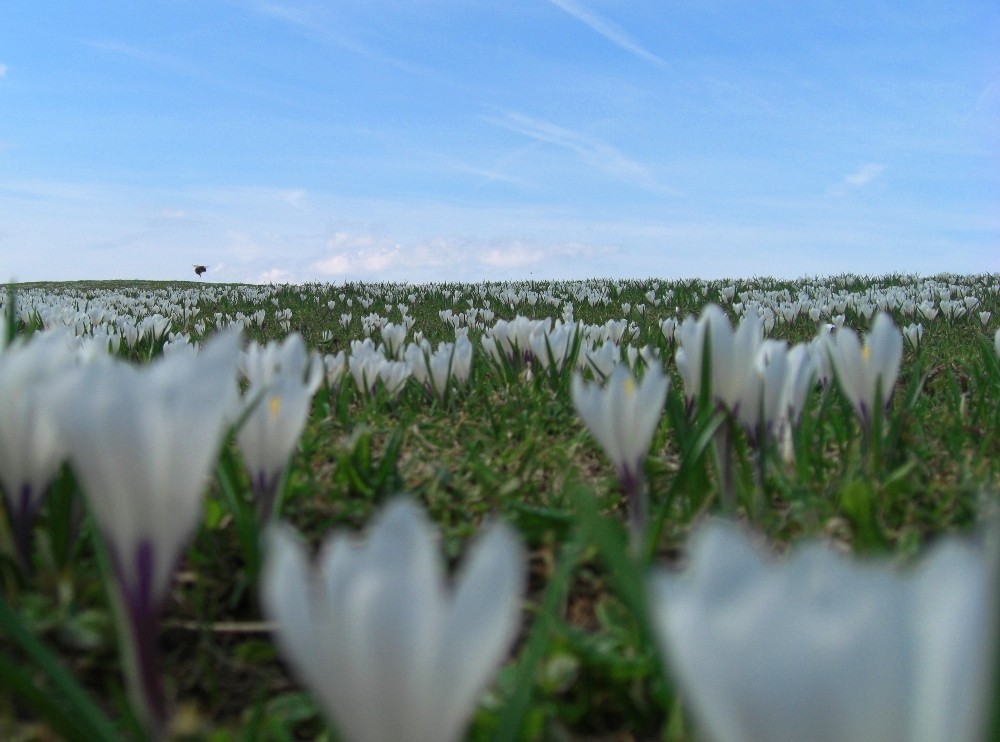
590, 403
143, 442
390, 616
481, 624
864, 369
822, 648
286, 595
272, 430
623, 416
956, 601
396, 654
885, 344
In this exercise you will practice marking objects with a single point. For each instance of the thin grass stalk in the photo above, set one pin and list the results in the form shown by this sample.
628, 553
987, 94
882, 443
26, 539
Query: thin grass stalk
86, 716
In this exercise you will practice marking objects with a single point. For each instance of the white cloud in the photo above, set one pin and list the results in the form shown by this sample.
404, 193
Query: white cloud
515, 254
611, 31
294, 197
863, 175
276, 275
251, 234
376, 256
339, 264
358, 253
3, 71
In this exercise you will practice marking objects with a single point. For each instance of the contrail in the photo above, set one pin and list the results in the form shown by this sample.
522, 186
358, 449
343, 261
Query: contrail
611, 31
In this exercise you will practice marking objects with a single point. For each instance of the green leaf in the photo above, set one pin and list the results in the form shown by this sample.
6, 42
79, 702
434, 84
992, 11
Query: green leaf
86, 721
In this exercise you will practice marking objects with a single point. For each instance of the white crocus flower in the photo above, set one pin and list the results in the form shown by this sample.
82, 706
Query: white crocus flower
553, 346
668, 327
461, 362
394, 375
31, 444
143, 442
283, 379
416, 356
393, 336
439, 370
270, 433
623, 416
760, 403
261, 364
435, 371
731, 354
363, 364
601, 360
913, 333
800, 377
820, 647
866, 370
373, 629
334, 366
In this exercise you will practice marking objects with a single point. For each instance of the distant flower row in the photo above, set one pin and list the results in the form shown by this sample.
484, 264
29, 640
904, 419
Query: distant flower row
128, 315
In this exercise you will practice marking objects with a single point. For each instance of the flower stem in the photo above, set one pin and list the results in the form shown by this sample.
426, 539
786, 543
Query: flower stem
633, 484
723, 447
138, 613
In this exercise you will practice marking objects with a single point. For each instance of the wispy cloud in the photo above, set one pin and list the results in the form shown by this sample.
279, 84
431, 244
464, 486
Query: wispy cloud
140, 54
488, 175
609, 30
308, 21
592, 151
988, 100
182, 66
3, 71
863, 176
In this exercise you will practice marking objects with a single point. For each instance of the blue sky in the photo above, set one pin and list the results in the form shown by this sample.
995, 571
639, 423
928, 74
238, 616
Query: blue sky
432, 140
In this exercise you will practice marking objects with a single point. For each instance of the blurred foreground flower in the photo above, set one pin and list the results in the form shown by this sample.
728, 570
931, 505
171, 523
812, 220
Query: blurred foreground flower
822, 648
31, 445
373, 630
623, 416
143, 443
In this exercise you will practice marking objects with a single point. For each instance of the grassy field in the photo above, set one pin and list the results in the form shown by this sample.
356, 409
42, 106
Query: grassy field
506, 443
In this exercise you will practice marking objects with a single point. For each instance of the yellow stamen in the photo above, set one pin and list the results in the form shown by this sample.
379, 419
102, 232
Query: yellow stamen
275, 405
866, 352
